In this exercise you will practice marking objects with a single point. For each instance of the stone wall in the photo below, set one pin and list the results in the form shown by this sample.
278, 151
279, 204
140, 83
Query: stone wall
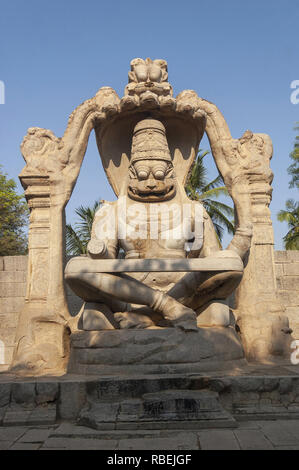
13, 277
13, 274
287, 277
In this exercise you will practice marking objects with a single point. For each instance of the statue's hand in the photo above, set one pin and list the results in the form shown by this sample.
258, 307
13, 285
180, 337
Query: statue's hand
96, 248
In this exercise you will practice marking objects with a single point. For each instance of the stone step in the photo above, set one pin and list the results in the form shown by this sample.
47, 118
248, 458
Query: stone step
166, 409
115, 388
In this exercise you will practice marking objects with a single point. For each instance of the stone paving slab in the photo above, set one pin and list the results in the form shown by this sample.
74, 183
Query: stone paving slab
252, 439
5, 445
251, 435
216, 439
25, 446
80, 444
35, 435
186, 441
11, 433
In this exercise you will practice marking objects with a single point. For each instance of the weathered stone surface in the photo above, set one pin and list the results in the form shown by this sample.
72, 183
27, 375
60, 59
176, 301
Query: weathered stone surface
11, 433
250, 439
79, 444
9, 289
35, 435
14, 417
280, 256
23, 392
15, 263
5, 392
293, 255
46, 392
43, 415
162, 347
183, 441
8, 336
291, 269
8, 321
71, 399
216, 314
96, 317
25, 446
282, 434
164, 409
74, 304
12, 276
285, 385
218, 440
290, 283
11, 305
95, 415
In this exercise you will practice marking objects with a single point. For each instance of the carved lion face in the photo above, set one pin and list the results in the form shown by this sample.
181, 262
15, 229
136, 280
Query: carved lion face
151, 181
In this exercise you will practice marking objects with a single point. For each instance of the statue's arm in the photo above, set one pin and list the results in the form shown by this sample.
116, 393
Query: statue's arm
235, 160
103, 243
206, 241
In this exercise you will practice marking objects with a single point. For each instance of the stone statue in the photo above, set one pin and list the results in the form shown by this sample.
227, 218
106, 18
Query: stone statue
184, 229
155, 275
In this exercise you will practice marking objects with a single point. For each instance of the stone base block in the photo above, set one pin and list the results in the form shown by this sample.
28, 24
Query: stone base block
167, 401
154, 351
166, 409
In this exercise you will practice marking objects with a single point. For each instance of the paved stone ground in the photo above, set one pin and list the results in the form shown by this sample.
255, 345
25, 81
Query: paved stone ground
251, 435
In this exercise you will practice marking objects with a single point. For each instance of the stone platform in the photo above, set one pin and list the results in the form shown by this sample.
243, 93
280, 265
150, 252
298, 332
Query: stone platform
154, 351
221, 399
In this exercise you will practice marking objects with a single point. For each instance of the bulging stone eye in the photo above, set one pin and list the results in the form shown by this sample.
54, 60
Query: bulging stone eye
159, 171
159, 174
142, 174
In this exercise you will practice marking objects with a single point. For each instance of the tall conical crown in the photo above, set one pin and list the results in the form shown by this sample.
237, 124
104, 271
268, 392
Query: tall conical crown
149, 141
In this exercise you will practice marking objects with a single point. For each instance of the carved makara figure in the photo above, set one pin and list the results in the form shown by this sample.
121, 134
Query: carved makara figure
152, 219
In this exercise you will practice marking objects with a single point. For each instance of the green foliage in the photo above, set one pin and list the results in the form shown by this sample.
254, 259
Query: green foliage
13, 218
291, 212
293, 169
77, 237
291, 216
199, 189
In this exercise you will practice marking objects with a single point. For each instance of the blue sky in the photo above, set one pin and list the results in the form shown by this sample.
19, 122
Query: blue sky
241, 55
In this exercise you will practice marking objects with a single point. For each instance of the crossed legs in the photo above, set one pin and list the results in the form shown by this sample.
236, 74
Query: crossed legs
119, 291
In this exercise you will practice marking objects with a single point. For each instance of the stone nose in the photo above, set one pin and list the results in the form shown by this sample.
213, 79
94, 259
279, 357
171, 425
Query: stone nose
151, 184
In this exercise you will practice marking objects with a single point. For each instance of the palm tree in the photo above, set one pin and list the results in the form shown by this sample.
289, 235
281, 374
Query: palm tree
199, 189
293, 169
291, 216
78, 236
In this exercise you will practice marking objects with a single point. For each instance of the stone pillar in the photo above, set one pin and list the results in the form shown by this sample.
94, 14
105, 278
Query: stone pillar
263, 325
52, 168
44, 344
244, 164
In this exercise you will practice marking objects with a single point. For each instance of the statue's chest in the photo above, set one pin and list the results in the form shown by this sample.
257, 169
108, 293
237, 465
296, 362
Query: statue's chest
154, 230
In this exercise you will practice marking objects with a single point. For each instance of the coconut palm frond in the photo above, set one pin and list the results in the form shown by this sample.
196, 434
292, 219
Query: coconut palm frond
74, 244
199, 189
77, 237
291, 216
217, 215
